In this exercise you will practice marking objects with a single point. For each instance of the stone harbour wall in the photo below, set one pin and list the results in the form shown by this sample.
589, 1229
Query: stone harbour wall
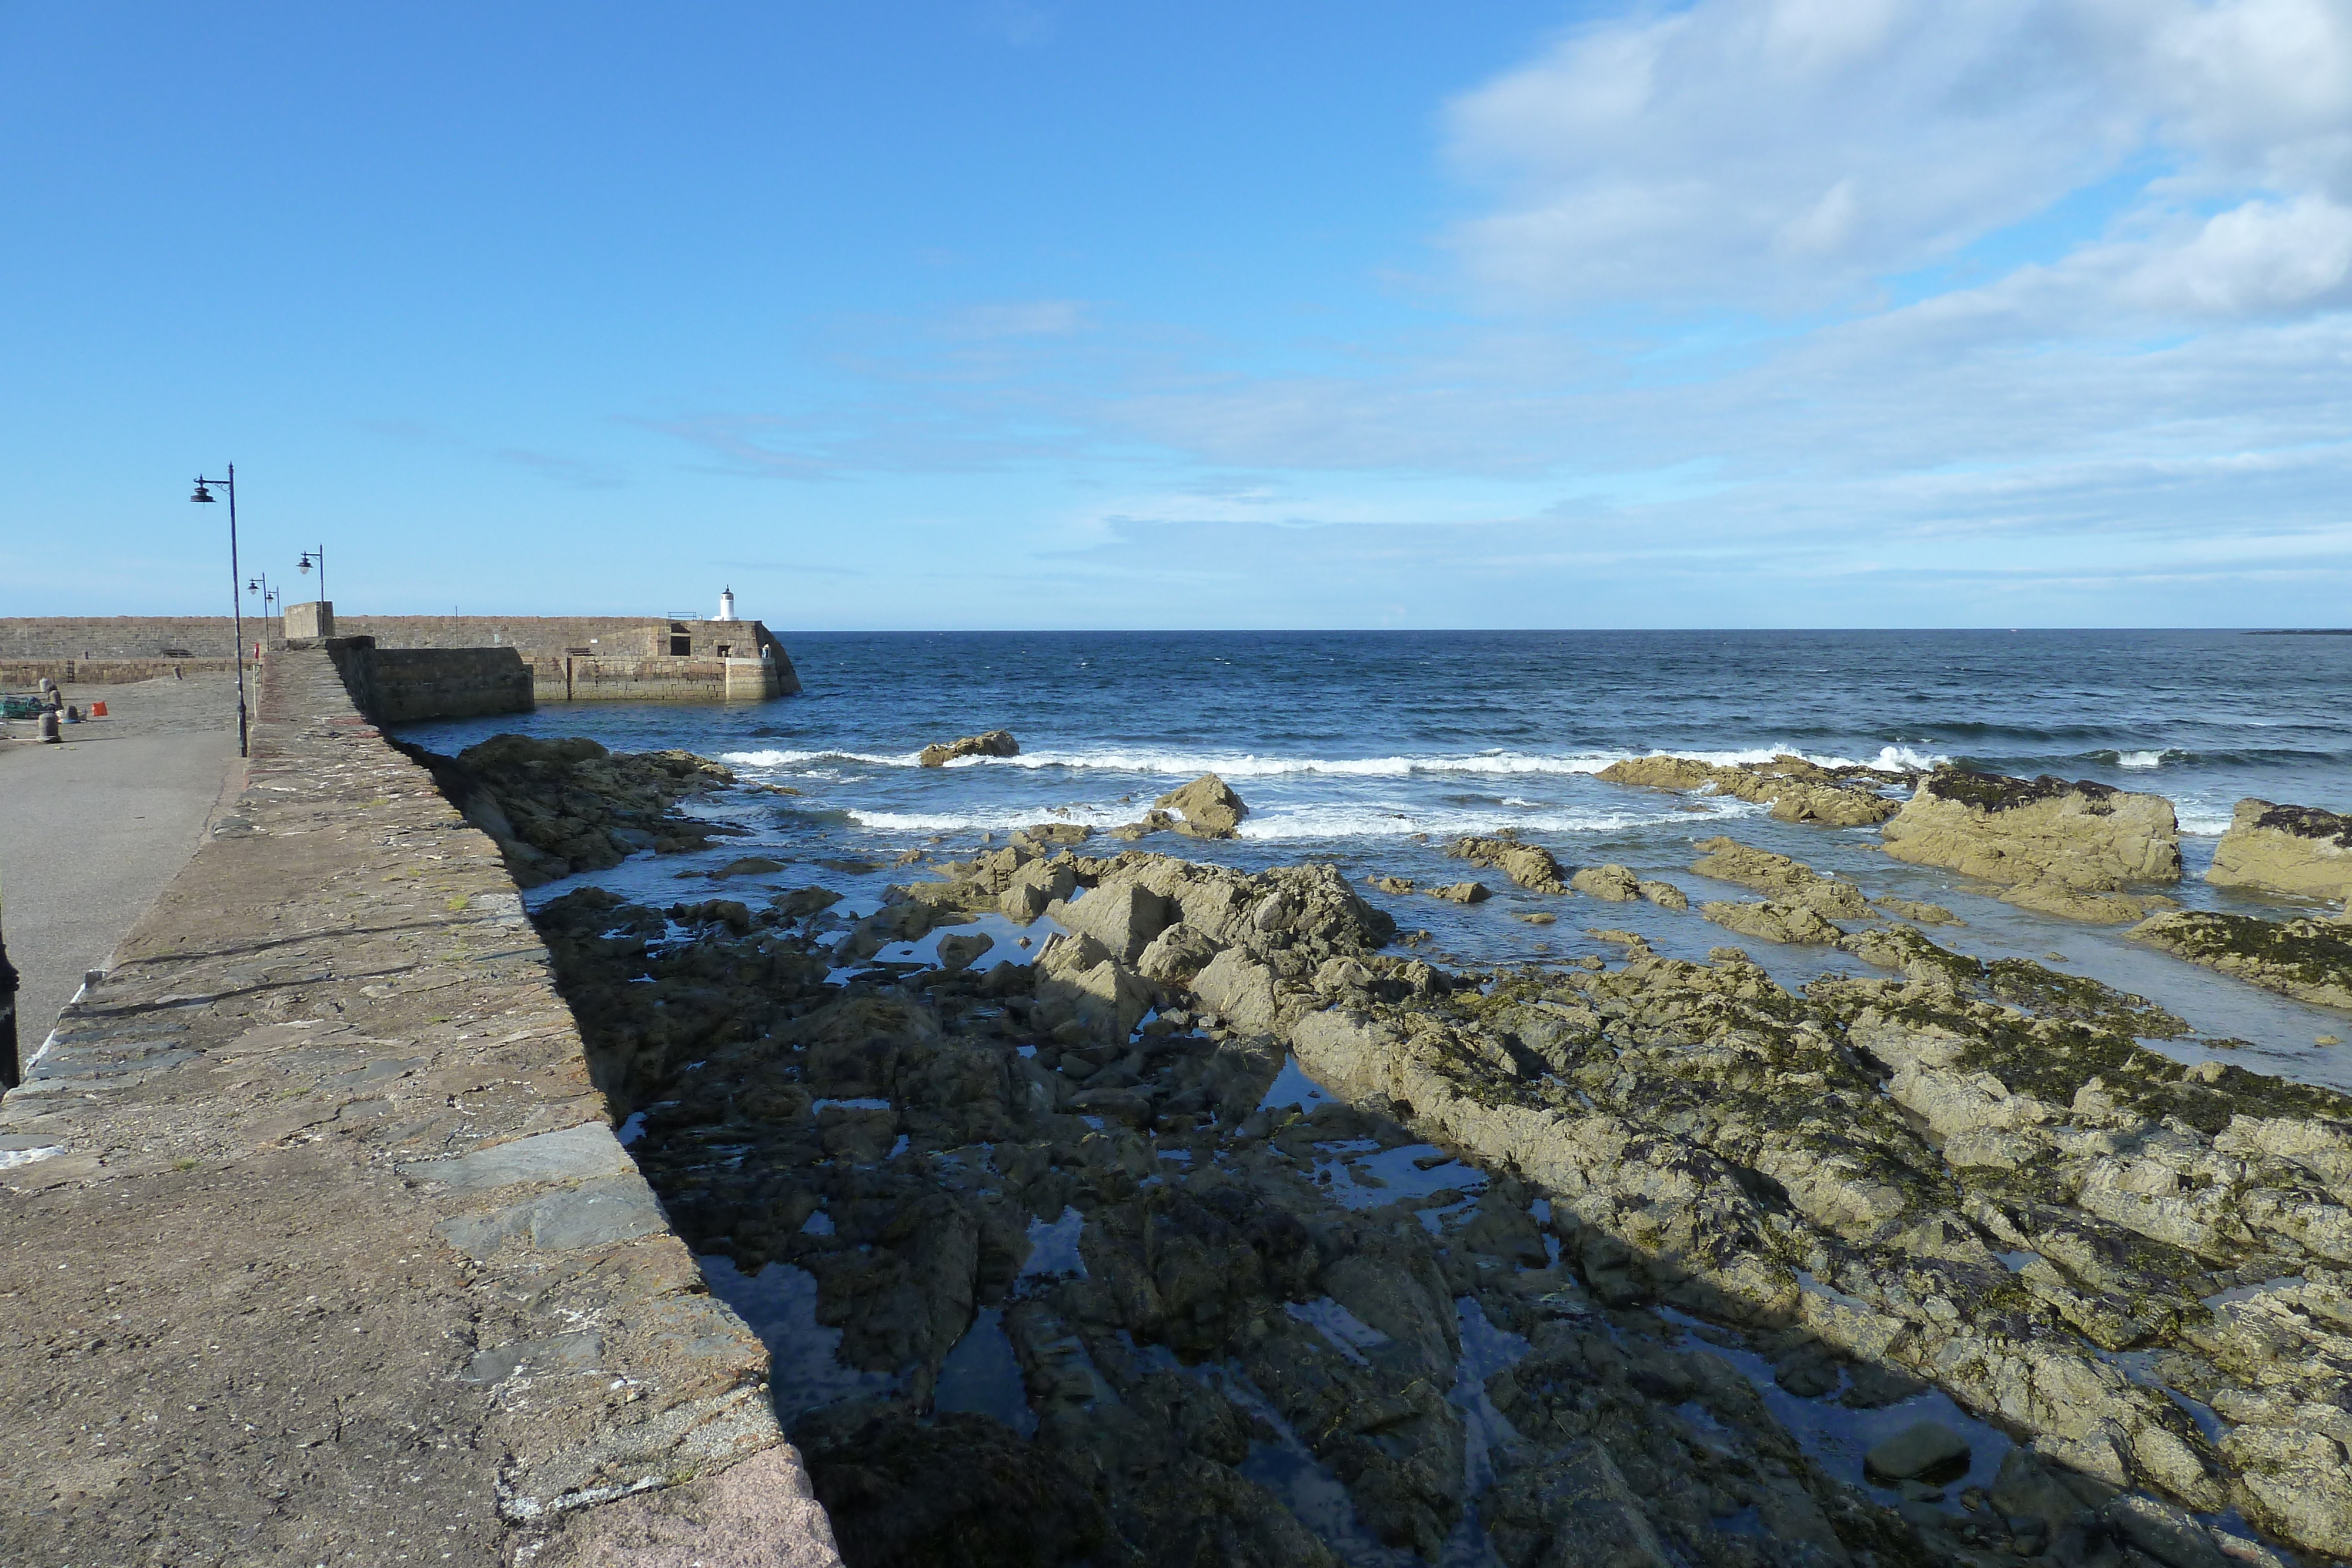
318, 1243
29, 637
26, 672
404, 685
584, 658
661, 679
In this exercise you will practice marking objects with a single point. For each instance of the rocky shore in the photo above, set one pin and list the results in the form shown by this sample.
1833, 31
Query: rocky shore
1203, 1226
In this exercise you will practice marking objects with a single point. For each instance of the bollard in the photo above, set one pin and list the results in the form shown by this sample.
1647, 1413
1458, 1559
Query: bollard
50, 732
73, 714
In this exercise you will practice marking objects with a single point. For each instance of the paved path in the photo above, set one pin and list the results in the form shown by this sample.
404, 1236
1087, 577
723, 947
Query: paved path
91, 830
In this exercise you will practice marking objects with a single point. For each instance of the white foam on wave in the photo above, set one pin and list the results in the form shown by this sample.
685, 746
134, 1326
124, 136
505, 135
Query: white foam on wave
1330, 820
2139, 760
1250, 764
798, 758
1341, 821
1230, 765
2202, 821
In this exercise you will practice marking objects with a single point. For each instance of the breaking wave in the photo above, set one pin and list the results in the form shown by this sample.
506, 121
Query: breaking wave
1333, 821
1176, 764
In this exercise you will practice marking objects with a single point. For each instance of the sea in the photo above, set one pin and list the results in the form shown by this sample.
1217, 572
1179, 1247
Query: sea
1369, 749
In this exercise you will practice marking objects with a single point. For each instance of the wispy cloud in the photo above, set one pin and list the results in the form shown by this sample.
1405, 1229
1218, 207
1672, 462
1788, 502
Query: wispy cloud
2038, 298
572, 471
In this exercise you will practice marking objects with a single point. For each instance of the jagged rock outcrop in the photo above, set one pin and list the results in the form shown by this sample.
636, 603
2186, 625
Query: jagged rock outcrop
2310, 960
1191, 1284
1530, 865
2286, 848
1784, 880
988, 743
557, 807
1708, 1140
1797, 790
1207, 808
1612, 883
2064, 848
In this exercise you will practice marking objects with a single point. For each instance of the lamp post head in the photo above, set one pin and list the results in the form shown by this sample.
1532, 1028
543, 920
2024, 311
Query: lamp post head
303, 565
202, 494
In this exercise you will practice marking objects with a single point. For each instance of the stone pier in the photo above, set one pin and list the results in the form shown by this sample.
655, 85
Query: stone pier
316, 1243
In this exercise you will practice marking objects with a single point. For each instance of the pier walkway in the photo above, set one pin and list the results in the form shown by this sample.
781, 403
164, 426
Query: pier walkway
315, 1243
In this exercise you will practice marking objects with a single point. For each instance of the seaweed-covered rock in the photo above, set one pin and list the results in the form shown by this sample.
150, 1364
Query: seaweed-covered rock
2310, 960
2286, 848
1783, 879
1181, 1281
557, 807
2084, 836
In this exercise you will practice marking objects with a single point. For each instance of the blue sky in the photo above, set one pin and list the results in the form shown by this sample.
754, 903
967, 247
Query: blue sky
1738, 313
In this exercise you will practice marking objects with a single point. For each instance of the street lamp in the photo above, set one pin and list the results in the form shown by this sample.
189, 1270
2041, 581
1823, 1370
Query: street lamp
235, 605
303, 566
259, 584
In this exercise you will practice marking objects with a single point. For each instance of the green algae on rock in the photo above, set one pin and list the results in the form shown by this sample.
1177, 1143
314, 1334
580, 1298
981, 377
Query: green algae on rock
2068, 849
2286, 848
2310, 960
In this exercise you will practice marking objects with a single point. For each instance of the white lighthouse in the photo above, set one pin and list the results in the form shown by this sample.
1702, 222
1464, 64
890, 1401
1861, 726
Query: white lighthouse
726, 604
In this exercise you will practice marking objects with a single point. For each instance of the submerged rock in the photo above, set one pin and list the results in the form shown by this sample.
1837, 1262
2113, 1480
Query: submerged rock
988, 743
2286, 848
1922, 1448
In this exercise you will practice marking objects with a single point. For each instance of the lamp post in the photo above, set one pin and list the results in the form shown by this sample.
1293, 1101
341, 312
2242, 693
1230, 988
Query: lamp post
236, 604
303, 566
259, 583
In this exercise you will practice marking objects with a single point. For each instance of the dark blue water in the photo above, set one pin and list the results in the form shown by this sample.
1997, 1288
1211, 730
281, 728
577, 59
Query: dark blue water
1369, 749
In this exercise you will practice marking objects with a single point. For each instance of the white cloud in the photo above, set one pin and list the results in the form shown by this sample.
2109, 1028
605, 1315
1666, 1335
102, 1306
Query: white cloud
1796, 153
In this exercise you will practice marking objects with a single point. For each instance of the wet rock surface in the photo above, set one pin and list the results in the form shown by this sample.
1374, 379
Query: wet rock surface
1797, 790
1214, 1232
2310, 960
557, 807
2286, 848
988, 743
2067, 849
1207, 808
1526, 864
